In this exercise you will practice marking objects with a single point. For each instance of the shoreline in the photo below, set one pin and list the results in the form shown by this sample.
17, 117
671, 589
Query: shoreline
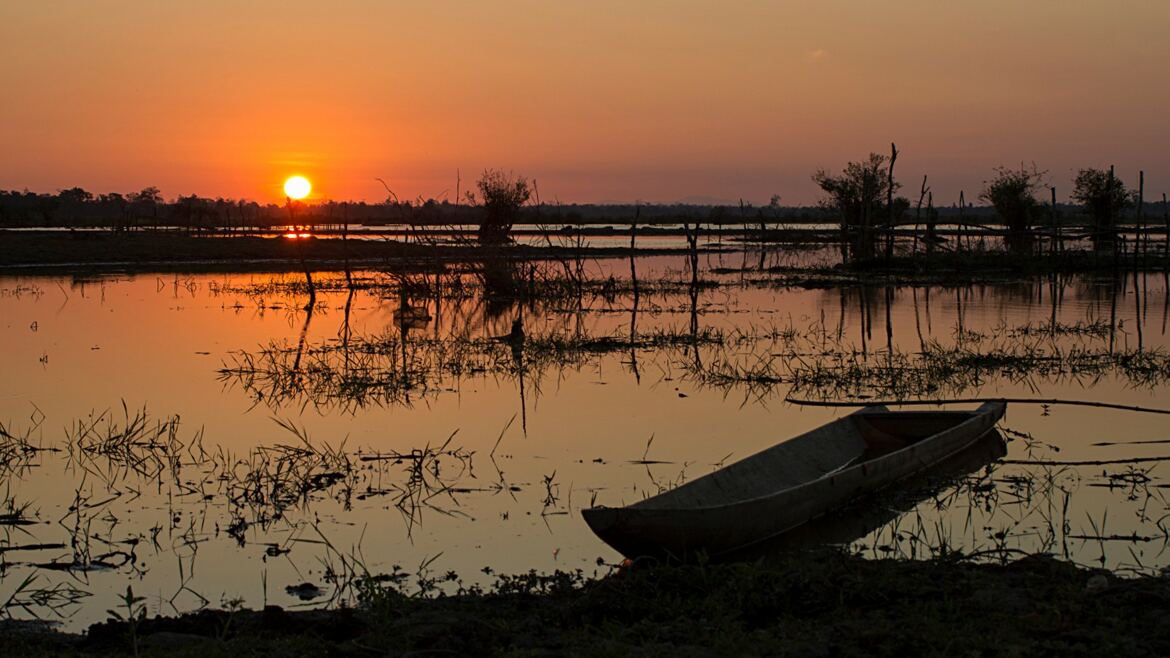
50, 252
819, 602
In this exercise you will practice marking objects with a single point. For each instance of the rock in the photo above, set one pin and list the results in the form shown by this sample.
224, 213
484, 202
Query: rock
1097, 583
167, 640
304, 591
438, 630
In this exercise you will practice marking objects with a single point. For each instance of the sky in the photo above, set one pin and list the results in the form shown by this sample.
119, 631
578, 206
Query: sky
598, 100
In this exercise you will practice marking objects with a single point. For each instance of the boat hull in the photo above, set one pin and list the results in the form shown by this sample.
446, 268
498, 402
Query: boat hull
715, 530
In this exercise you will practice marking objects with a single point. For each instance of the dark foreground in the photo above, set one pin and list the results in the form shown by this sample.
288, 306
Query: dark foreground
821, 604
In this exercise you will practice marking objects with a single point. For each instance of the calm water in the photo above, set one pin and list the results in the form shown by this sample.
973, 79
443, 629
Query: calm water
217, 497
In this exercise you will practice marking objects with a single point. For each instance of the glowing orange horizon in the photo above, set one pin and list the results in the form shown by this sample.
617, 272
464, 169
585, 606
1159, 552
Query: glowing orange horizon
815, 86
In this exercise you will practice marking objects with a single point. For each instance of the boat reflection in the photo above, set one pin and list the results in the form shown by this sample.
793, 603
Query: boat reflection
862, 517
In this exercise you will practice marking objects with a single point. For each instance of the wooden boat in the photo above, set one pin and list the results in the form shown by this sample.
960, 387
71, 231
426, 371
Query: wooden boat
791, 483
855, 520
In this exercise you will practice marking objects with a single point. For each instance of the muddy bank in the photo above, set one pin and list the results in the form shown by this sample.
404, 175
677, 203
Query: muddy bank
28, 251
816, 604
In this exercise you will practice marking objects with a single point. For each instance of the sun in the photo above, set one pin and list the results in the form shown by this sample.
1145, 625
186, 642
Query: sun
297, 187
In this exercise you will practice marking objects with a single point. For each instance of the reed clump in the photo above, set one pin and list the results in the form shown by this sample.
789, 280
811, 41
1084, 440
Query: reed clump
817, 363
389, 370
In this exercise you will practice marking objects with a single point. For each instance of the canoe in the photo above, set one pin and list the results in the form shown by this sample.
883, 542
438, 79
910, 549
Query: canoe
855, 520
783, 487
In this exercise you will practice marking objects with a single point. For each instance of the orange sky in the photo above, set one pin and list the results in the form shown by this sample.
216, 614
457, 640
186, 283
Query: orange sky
598, 100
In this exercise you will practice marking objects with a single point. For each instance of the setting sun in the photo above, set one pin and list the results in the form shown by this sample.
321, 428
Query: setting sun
297, 187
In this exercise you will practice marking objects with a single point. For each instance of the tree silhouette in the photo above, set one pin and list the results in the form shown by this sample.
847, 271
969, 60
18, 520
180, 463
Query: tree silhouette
1104, 197
147, 195
503, 195
1012, 192
858, 193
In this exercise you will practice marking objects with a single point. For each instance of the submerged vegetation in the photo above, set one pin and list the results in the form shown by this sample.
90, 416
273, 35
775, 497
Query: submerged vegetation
818, 361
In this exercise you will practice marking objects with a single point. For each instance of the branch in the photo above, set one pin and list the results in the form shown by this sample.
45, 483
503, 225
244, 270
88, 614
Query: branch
911, 403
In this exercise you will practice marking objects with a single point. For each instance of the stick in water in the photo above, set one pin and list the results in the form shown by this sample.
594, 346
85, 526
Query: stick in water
909, 403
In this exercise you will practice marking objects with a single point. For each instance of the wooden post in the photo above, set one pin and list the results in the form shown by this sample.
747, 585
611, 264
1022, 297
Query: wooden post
918, 212
744, 232
634, 284
962, 221
1109, 207
930, 232
1057, 244
633, 246
345, 245
863, 234
763, 246
890, 201
1140, 238
1166, 218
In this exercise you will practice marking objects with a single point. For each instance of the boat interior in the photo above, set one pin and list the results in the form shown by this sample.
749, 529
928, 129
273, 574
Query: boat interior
833, 447
892, 430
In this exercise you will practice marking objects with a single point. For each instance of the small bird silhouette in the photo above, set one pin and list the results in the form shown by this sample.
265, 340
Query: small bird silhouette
517, 334
514, 337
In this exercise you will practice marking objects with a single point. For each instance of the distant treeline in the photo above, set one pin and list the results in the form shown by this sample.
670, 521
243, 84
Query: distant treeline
147, 210
1024, 209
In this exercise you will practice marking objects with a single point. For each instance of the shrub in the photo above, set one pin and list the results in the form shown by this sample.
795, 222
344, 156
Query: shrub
1012, 192
859, 194
503, 195
1104, 197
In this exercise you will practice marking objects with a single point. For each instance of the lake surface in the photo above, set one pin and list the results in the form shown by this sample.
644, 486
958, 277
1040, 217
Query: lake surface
270, 447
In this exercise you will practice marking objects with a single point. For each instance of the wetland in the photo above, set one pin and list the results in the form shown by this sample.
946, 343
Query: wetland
175, 442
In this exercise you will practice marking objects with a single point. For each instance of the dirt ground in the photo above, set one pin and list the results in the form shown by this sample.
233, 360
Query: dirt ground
808, 604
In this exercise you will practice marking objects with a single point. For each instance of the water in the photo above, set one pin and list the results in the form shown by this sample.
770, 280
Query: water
236, 373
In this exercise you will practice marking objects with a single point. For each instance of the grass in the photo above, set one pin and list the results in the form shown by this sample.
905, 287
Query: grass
18, 448
820, 603
117, 458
